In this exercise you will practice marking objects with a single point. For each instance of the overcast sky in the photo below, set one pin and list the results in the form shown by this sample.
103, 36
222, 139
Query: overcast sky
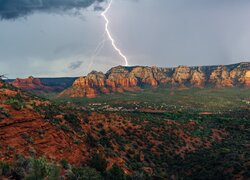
47, 39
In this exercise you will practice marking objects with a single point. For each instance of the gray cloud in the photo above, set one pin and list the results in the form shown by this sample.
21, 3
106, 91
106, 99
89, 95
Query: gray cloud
75, 65
12, 9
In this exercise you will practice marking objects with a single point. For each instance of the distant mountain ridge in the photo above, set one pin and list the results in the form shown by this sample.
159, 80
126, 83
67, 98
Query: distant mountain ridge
121, 79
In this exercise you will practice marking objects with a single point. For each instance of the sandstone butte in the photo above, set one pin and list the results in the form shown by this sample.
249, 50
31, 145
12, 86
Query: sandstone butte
42, 85
120, 79
30, 83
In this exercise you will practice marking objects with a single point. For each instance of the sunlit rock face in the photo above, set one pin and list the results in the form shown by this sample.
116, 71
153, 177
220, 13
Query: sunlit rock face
89, 86
221, 77
198, 78
181, 75
245, 78
121, 79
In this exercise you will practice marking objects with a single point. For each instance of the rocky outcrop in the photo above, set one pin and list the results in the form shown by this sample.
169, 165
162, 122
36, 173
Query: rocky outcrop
221, 77
198, 78
120, 79
88, 86
42, 85
29, 83
181, 75
245, 78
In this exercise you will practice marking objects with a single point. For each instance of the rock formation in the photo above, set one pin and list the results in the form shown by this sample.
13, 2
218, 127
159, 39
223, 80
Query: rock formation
88, 86
245, 78
120, 79
30, 83
43, 85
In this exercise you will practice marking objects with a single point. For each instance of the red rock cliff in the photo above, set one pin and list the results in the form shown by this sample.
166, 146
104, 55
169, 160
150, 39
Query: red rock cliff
120, 79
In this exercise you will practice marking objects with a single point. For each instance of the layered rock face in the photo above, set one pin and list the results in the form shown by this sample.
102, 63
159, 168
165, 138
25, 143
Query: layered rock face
198, 78
120, 79
221, 77
245, 78
88, 86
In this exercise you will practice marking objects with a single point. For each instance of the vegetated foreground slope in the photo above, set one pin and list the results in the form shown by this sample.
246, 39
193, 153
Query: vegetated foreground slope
27, 127
143, 144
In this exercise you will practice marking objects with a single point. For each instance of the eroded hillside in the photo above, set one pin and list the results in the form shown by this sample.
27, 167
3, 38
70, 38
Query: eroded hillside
34, 127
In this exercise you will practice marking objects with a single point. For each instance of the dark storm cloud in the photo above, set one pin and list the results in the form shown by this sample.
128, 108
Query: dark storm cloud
98, 8
75, 65
12, 9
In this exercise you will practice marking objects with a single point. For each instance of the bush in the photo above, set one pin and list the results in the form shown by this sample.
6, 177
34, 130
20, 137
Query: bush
64, 163
16, 104
20, 167
41, 169
116, 173
98, 162
64, 128
91, 140
83, 173
137, 176
74, 121
4, 113
4, 169
104, 141
54, 172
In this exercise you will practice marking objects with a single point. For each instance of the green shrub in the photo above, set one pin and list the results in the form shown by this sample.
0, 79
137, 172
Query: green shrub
54, 172
15, 104
116, 173
104, 141
20, 167
64, 128
98, 162
4, 169
74, 121
77, 141
84, 173
41, 169
4, 112
91, 140
64, 163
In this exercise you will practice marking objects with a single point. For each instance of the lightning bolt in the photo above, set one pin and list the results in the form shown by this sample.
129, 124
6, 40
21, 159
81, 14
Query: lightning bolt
109, 34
